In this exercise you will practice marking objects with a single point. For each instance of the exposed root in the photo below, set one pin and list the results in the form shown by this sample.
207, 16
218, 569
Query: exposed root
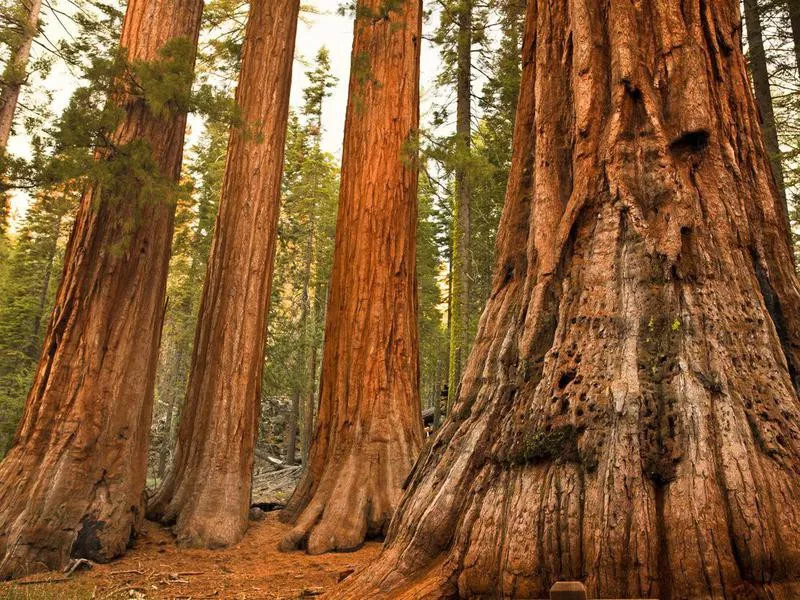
354, 502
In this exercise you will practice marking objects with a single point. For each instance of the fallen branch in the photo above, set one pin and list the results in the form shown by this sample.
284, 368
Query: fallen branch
130, 572
80, 563
42, 581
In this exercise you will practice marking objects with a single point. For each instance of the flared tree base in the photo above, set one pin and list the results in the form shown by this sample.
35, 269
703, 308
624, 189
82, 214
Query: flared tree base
57, 508
354, 502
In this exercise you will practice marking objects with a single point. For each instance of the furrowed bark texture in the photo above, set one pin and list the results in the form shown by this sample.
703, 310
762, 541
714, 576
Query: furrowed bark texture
73, 484
369, 428
207, 493
629, 414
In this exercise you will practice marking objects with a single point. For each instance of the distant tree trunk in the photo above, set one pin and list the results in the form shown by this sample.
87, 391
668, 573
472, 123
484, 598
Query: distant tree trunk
308, 411
291, 439
369, 427
629, 414
52, 247
11, 83
436, 396
207, 492
794, 19
758, 68
15, 73
307, 324
462, 219
73, 483
163, 454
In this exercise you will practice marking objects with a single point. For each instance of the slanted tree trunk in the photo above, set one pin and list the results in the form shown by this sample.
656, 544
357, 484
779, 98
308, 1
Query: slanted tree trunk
207, 492
11, 82
369, 428
15, 72
462, 219
629, 414
73, 483
763, 93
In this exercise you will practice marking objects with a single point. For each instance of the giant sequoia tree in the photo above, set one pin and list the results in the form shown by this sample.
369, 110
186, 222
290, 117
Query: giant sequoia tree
369, 428
207, 493
629, 414
72, 485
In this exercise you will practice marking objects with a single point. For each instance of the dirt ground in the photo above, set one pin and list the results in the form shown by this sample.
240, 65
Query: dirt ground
156, 568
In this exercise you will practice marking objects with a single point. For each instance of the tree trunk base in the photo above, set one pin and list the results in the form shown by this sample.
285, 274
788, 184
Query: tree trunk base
201, 516
94, 523
441, 583
354, 502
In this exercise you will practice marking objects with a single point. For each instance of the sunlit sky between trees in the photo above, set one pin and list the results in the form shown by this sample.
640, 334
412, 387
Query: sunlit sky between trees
321, 25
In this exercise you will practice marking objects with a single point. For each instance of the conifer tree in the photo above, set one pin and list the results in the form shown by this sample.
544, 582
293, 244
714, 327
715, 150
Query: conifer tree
23, 24
82, 442
194, 229
761, 85
207, 491
629, 413
27, 292
369, 427
312, 196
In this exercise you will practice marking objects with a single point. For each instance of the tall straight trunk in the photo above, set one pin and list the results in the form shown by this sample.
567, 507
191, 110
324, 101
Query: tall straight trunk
44, 290
308, 410
794, 20
436, 394
462, 218
73, 483
369, 428
207, 492
12, 79
629, 415
176, 364
307, 323
291, 429
318, 323
760, 73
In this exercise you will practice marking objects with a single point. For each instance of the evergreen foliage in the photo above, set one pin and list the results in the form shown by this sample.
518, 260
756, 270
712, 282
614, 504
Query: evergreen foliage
28, 283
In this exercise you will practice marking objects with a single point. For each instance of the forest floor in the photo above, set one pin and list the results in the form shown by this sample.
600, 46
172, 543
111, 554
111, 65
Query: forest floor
156, 568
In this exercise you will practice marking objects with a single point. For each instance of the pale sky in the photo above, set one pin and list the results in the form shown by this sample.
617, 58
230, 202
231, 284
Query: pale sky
327, 28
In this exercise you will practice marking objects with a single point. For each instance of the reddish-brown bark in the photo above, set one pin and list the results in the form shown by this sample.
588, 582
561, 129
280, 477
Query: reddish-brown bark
629, 414
369, 428
207, 492
73, 483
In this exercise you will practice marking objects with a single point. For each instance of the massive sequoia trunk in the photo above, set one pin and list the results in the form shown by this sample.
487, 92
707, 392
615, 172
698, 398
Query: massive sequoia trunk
369, 428
73, 483
207, 492
629, 415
